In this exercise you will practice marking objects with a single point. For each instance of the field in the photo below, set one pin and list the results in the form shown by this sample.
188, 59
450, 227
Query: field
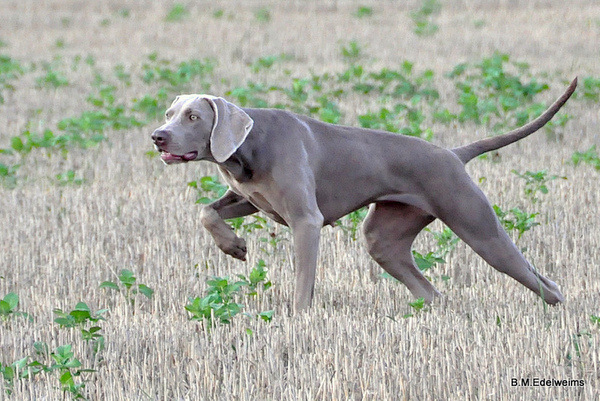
110, 288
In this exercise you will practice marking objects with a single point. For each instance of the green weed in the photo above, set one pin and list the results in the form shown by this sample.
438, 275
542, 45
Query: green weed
60, 362
68, 178
576, 344
427, 261
352, 52
418, 306
446, 241
177, 13
127, 286
81, 315
262, 14
8, 175
395, 121
10, 70
590, 89
423, 17
516, 219
153, 107
8, 307
536, 182
176, 78
221, 304
363, 11
52, 78
490, 93
209, 189
251, 95
267, 62
351, 222
88, 128
256, 279
590, 156
83, 318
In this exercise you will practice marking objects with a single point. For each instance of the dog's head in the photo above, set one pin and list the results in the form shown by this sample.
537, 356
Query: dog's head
201, 127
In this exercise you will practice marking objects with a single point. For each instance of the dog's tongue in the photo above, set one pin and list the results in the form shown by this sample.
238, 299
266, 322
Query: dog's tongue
169, 157
189, 156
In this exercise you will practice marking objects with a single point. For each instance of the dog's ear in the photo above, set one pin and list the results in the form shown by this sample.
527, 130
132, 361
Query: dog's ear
176, 100
230, 128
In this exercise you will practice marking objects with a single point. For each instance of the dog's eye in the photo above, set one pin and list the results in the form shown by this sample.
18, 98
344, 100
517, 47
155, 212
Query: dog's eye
193, 117
168, 115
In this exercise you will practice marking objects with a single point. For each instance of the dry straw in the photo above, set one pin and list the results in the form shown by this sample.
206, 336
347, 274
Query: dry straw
58, 243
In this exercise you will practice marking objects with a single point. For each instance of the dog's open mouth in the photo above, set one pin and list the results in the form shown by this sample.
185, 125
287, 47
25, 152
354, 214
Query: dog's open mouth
171, 158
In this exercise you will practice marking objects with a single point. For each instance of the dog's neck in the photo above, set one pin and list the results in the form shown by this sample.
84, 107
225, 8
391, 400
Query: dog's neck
239, 168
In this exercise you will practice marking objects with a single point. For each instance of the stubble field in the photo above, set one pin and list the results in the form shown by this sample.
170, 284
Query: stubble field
86, 204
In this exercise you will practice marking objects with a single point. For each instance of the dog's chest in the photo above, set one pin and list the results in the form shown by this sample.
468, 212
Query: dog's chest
254, 193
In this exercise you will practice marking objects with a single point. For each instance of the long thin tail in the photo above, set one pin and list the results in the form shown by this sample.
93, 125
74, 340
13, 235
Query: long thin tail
472, 150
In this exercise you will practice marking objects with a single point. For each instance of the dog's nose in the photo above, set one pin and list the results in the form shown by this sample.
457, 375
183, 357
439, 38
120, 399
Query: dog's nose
161, 137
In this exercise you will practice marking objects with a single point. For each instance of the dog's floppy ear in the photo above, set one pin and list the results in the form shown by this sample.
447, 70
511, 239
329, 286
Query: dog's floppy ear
230, 128
176, 100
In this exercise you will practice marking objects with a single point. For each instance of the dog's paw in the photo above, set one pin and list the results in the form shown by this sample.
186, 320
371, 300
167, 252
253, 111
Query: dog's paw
236, 248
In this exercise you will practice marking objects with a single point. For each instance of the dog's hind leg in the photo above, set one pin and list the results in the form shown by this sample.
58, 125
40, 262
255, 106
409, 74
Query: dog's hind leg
463, 207
390, 229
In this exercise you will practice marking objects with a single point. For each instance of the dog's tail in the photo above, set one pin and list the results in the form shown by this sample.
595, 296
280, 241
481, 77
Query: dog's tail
472, 150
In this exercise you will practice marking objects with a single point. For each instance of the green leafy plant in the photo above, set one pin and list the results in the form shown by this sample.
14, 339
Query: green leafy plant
351, 222
256, 279
8, 175
88, 128
267, 62
516, 219
128, 286
68, 178
208, 185
52, 77
240, 223
153, 107
9, 305
589, 89
223, 295
81, 315
427, 261
417, 305
576, 340
446, 241
589, 156
352, 52
495, 92
219, 303
251, 95
60, 362
177, 13
262, 14
395, 121
363, 11
83, 318
176, 78
536, 182
423, 17
10, 70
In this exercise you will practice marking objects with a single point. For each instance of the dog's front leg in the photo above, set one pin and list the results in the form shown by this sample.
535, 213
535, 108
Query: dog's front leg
231, 205
306, 233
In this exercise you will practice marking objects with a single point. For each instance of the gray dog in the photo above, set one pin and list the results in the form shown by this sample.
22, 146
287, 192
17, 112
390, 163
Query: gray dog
306, 174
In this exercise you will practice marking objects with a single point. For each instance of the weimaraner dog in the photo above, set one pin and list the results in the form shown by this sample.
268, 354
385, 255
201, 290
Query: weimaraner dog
305, 174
